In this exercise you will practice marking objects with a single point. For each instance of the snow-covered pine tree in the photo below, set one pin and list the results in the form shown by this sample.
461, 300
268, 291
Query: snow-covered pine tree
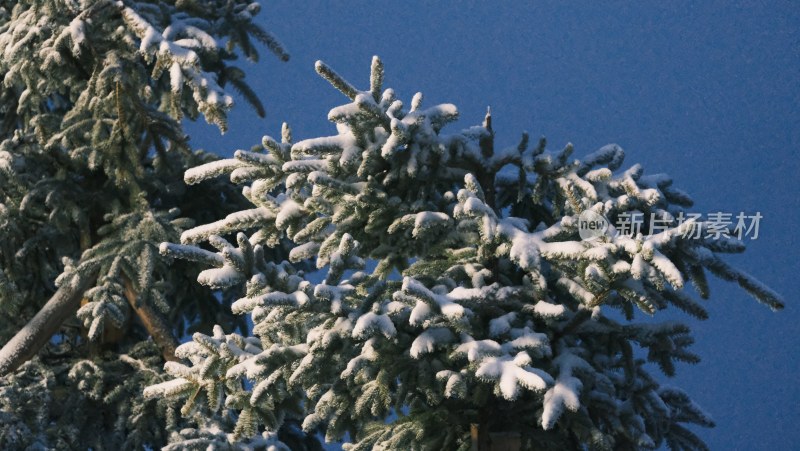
92, 155
455, 301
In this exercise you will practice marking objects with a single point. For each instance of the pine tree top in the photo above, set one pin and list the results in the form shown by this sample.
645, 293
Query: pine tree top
455, 287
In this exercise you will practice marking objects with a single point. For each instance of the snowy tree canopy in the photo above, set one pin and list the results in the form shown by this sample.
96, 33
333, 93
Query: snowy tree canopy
92, 155
453, 288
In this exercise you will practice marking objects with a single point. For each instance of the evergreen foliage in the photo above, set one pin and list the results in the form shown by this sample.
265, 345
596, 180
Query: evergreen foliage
92, 155
453, 289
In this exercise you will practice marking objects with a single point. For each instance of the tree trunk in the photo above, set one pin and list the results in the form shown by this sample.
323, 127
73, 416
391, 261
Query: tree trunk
61, 306
154, 323
505, 441
38, 331
494, 441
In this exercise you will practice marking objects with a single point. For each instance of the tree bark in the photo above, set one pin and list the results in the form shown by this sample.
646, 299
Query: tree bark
38, 331
505, 441
62, 305
154, 323
484, 440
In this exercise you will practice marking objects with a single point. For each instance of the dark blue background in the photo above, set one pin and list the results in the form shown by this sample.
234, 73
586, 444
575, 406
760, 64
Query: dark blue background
707, 92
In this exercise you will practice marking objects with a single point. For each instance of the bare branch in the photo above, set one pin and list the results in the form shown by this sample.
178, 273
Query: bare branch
34, 335
154, 322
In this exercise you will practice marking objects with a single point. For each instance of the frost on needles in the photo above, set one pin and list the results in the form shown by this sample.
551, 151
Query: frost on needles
453, 290
92, 154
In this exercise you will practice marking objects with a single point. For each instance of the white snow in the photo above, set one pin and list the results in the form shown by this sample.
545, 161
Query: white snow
564, 394
577, 290
501, 324
665, 266
420, 313
372, 322
321, 146
429, 219
511, 373
234, 222
167, 388
304, 251
305, 166
295, 299
289, 210
566, 391
445, 303
220, 277
529, 340
455, 386
176, 77
213, 169
428, 340
639, 267
546, 309
475, 350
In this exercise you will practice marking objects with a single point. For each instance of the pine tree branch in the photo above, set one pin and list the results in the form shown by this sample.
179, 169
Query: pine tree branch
37, 332
154, 323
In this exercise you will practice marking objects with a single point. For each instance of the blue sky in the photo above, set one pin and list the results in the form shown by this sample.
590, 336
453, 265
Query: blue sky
707, 92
